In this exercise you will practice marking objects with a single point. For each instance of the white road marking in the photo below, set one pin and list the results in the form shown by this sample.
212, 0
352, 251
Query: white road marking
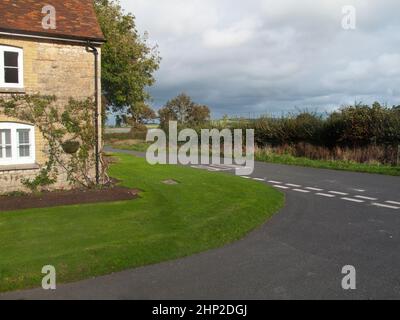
293, 185
314, 189
219, 168
275, 182
224, 167
301, 190
245, 177
393, 202
325, 195
359, 190
258, 179
339, 193
366, 198
385, 206
205, 168
353, 200
281, 187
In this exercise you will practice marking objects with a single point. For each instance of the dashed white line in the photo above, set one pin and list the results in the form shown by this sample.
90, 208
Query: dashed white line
293, 185
325, 195
385, 206
339, 193
366, 198
353, 200
205, 168
281, 187
219, 168
359, 190
245, 177
301, 190
314, 189
393, 202
258, 179
275, 182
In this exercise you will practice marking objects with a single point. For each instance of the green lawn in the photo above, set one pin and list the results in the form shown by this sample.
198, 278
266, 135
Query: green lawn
325, 164
139, 146
205, 210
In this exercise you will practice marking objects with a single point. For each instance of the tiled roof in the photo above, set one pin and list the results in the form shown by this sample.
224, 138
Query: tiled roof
75, 19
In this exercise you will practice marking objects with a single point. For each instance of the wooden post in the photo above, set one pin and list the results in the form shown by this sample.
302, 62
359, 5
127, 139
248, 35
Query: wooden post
398, 155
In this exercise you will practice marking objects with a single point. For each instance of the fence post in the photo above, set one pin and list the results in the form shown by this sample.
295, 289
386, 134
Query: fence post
398, 155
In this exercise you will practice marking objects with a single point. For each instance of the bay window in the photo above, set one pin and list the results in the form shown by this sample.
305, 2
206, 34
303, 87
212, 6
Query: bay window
17, 143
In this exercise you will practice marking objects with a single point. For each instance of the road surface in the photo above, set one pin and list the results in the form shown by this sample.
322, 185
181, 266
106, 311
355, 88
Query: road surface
331, 219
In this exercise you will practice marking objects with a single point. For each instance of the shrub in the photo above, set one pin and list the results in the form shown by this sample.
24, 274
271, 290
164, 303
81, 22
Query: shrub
139, 131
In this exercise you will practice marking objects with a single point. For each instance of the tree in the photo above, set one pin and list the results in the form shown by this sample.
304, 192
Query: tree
197, 115
183, 110
128, 62
141, 113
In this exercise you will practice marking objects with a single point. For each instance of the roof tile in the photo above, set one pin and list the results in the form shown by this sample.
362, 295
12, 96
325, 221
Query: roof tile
74, 18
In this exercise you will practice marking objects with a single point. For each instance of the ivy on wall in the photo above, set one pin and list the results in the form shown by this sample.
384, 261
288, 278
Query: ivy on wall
70, 135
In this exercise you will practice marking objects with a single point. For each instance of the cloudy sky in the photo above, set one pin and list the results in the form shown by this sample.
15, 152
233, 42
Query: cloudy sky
272, 56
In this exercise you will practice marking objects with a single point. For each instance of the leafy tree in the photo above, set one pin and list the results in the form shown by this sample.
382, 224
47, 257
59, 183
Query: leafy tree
141, 113
128, 62
183, 110
197, 115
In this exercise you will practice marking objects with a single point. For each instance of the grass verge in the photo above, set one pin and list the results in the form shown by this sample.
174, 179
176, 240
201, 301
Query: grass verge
325, 164
203, 211
272, 157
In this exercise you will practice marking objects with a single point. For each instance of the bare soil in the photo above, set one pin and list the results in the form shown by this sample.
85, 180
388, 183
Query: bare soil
63, 198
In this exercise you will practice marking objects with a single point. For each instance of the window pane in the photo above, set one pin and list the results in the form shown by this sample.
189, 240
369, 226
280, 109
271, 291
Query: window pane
10, 59
5, 143
24, 151
11, 75
5, 136
8, 152
23, 136
8, 136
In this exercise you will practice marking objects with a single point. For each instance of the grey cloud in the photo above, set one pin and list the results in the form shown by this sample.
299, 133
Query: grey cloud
253, 57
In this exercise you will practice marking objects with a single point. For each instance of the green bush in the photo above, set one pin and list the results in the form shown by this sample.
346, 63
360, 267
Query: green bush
363, 133
362, 125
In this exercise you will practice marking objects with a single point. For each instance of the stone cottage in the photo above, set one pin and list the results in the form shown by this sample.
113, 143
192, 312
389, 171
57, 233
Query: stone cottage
51, 48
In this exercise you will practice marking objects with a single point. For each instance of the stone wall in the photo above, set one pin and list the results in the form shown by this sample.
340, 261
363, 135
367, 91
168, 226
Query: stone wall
50, 68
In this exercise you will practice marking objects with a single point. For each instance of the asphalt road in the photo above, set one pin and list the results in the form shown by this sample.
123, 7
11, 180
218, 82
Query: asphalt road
331, 219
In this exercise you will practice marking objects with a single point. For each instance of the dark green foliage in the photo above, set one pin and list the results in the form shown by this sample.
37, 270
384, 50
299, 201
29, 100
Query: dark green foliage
350, 126
360, 132
128, 62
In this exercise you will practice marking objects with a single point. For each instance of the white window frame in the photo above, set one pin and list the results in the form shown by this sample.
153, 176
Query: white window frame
15, 157
20, 51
